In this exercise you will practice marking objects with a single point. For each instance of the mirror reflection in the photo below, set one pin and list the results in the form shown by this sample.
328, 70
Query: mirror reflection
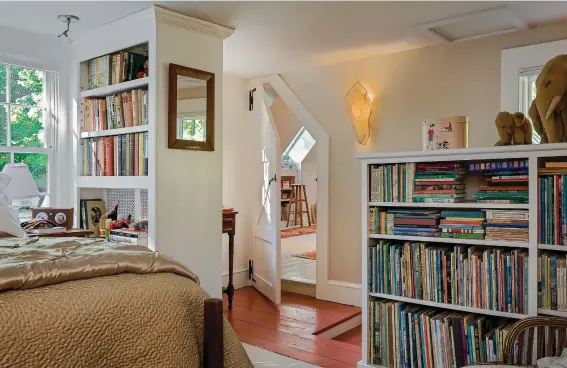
191, 109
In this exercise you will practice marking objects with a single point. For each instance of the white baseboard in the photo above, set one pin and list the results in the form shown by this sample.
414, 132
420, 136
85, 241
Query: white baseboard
340, 292
342, 328
240, 278
363, 365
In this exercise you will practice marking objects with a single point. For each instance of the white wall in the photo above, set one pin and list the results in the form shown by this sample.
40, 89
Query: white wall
455, 79
51, 53
237, 174
192, 105
189, 183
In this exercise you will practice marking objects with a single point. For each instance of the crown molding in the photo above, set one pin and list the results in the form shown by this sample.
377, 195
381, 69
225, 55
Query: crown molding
167, 16
27, 61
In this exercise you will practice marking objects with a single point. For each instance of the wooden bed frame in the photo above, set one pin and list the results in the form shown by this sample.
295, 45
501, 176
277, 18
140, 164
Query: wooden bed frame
213, 349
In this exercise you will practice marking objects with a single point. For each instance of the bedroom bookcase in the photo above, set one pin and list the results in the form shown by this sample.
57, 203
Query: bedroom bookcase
135, 193
537, 156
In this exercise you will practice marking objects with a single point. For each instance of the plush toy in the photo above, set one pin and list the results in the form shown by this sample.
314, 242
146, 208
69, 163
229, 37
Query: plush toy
551, 99
536, 119
522, 133
505, 126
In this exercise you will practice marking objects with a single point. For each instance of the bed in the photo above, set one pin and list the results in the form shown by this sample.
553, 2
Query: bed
89, 303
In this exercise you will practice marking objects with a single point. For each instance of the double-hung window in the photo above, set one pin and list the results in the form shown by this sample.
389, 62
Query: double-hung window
28, 116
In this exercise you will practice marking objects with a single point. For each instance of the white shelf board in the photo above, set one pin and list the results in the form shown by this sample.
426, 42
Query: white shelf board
452, 205
549, 312
436, 239
112, 182
560, 248
118, 131
285, 200
115, 88
461, 308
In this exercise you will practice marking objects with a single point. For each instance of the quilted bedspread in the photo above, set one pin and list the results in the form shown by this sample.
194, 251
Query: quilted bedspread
85, 303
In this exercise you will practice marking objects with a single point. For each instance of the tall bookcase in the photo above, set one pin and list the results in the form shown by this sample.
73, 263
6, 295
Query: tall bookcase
536, 155
94, 53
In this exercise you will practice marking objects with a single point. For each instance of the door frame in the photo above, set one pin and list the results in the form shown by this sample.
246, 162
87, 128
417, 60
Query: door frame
326, 289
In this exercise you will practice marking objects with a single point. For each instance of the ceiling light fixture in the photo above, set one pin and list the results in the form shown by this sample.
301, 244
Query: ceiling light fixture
65, 18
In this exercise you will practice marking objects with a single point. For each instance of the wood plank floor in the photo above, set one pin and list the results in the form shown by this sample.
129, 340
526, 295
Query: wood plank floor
291, 328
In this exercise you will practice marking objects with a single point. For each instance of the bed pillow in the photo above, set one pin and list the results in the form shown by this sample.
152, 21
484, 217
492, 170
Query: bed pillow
9, 222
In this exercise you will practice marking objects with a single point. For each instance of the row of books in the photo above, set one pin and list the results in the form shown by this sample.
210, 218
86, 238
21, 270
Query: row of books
552, 281
552, 213
404, 221
112, 69
392, 183
507, 225
440, 182
507, 184
487, 278
118, 155
126, 109
404, 335
462, 224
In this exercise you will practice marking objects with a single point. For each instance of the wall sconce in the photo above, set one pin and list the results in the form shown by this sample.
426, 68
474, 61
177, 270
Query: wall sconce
359, 107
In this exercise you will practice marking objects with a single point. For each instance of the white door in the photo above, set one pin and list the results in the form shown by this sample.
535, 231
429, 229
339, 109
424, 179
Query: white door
266, 249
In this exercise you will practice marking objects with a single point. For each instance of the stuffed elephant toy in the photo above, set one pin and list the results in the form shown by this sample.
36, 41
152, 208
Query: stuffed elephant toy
513, 129
549, 109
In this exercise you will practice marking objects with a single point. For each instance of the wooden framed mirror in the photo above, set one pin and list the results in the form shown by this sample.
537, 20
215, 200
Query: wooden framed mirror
191, 110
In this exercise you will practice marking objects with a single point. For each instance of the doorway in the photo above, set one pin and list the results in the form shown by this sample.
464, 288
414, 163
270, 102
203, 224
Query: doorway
298, 185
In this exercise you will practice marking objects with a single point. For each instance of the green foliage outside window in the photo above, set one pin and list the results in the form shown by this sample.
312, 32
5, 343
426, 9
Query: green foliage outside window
26, 122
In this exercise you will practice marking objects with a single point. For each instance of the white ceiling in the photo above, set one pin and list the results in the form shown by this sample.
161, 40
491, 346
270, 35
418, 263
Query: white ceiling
274, 37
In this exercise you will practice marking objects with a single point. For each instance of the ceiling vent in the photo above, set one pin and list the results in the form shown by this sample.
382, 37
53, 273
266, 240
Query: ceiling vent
479, 24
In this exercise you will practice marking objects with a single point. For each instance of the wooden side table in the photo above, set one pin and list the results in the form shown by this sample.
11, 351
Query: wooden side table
69, 233
229, 227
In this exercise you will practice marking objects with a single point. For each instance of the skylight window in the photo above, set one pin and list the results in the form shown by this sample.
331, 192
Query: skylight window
299, 147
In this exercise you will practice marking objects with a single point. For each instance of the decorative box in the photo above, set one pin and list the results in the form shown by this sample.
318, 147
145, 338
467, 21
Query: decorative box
445, 133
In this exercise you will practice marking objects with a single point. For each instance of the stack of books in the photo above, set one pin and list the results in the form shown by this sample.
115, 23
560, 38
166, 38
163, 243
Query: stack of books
507, 181
415, 222
117, 111
111, 69
552, 186
439, 183
486, 278
392, 183
405, 335
552, 281
117, 155
127, 236
380, 221
462, 224
507, 225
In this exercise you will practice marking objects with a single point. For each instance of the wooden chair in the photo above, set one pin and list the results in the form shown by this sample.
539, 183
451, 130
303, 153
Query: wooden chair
535, 329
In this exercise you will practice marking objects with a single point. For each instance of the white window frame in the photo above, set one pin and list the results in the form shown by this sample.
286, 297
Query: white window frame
518, 60
527, 77
51, 108
198, 115
294, 141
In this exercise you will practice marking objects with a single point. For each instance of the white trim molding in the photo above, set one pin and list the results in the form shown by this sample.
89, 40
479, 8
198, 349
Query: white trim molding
239, 278
515, 60
167, 16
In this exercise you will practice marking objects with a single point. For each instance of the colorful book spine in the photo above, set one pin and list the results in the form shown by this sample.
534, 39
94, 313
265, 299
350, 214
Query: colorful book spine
121, 155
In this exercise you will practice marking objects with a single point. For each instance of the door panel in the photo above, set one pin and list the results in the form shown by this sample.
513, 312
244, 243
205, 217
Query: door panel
266, 250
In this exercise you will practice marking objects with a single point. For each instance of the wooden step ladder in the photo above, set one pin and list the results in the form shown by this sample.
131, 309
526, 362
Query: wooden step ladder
298, 197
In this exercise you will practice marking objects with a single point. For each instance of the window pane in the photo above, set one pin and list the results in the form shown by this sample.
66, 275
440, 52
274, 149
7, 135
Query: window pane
194, 129
301, 146
27, 86
37, 163
27, 127
3, 124
3, 82
4, 159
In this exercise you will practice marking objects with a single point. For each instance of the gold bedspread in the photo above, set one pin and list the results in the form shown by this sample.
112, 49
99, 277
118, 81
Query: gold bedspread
147, 310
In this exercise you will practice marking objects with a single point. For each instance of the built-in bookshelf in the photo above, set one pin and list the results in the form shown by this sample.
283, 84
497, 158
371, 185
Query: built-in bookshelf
115, 128
460, 244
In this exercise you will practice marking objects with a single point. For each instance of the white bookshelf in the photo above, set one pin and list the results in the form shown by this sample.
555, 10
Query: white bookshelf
118, 131
105, 187
116, 88
536, 155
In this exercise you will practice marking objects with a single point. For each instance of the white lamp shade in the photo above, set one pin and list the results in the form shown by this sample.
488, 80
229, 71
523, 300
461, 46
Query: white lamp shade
21, 185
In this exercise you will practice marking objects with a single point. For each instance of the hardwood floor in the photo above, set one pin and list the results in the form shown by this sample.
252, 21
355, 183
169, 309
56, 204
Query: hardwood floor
353, 336
291, 328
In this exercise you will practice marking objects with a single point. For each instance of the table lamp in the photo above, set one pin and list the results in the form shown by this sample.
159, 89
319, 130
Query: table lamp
21, 186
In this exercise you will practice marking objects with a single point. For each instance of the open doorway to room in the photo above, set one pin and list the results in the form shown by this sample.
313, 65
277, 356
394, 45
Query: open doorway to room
298, 183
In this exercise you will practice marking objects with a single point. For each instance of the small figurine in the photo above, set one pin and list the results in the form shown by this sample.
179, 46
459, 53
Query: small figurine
121, 224
144, 72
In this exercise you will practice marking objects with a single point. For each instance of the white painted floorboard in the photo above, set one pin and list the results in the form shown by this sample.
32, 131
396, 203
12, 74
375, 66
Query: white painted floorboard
266, 359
